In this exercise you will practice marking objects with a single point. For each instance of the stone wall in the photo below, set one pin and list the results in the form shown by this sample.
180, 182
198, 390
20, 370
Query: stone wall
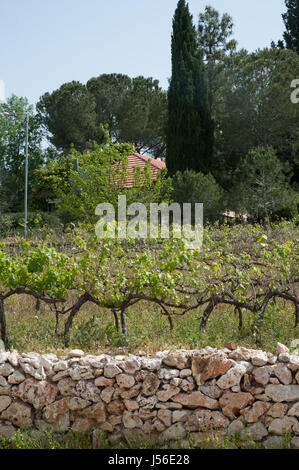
172, 395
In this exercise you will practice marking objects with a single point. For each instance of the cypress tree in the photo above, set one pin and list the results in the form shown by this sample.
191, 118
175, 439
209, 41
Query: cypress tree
291, 21
189, 133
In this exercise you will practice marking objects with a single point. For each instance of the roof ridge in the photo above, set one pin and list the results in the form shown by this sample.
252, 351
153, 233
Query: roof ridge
146, 158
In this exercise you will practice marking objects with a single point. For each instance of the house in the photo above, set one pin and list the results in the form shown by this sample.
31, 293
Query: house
136, 160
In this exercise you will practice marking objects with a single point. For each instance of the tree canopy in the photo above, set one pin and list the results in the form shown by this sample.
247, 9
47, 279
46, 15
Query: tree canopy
189, 133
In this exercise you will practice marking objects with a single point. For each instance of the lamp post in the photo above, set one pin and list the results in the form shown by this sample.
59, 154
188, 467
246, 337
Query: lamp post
26, 167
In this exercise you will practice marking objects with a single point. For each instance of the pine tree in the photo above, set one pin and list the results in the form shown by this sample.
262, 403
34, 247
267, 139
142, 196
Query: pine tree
189, 133
291, 21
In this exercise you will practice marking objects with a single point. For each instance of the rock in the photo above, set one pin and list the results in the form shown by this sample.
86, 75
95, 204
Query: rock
186, 386
5, 401
131, 405
212, 391
284, 357
256, 431
205, 367
206, 420
294, 410
130, 393
274, 380
165, 417
293, 363
240, 354
176, 432
164, 395
278, 410
3, 357
232, 377
158, 426
281, 425
19, 414
81, 373
272, 359
111, 370
4, 386
75, 353
235, 426
7, 430
273, 442
6, 369
232, 403
107, 394
168, 374
125, 380
257, 410
60, 365
67, 386
131, 421
196, 399
294, 442
16, 378
37, 373
177, 359
179, 416
13, 358
281, 349
38, 393
185, 373
115, 407
57, 414
150, 384
176, 382
2, 346
259, 358
147, 402
104, 382
130, 366
169, 405
146, 414
151, 364
262, 374
87, 390
83, 425
279, 393
77, 403
96, 412
283, 374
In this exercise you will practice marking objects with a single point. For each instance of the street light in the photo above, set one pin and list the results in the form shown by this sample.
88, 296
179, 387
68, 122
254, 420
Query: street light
6, 114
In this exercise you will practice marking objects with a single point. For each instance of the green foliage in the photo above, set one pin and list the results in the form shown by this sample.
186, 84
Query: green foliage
213, 33
291, 21
12, 151
13, 223
69, 116
198, 188
102, 177
261, 187
252, 108
133, 109
189, 129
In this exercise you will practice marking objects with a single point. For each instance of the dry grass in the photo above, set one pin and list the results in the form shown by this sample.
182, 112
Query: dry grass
93, 329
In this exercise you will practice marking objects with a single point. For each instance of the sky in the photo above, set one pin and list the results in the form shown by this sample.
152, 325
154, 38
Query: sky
45, 43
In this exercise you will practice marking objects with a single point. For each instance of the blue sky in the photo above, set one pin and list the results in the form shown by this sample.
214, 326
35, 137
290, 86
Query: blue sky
45, 43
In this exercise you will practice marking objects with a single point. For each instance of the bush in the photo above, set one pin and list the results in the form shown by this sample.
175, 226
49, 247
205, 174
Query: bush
198, 188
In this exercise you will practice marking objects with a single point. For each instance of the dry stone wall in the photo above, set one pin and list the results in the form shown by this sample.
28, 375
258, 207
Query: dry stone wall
172, 395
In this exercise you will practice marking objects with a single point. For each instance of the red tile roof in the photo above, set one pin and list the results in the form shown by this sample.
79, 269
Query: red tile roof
138, 160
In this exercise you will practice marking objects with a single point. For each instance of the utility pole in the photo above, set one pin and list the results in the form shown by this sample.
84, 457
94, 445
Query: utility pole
26, 173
